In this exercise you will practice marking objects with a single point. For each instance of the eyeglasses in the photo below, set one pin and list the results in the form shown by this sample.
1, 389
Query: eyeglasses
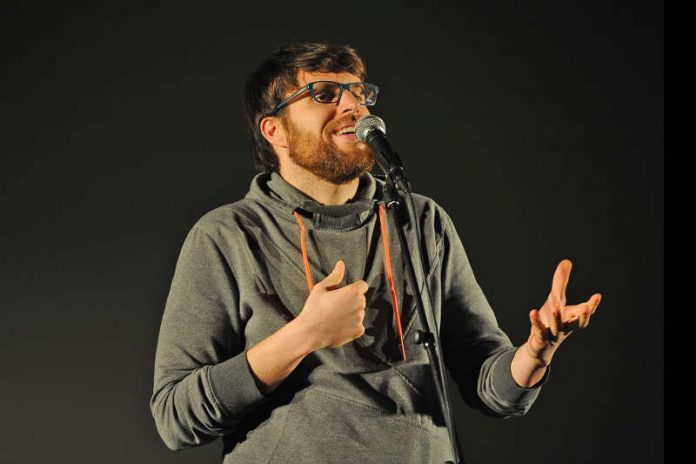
331, 92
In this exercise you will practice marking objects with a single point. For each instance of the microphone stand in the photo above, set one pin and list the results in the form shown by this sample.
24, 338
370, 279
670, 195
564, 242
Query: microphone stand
397, 194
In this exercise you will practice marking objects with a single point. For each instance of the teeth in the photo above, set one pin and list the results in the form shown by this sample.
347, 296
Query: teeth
347, 130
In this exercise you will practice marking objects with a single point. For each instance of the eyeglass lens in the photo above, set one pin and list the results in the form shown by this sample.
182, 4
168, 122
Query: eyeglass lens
329, 92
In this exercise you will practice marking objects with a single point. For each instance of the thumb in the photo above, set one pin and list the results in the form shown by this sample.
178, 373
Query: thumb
336, 276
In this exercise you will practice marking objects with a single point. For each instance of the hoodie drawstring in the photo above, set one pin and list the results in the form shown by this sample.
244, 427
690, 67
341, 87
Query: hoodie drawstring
387, 265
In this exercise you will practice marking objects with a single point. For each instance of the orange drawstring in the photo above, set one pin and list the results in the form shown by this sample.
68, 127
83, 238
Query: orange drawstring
310, 284
387, 264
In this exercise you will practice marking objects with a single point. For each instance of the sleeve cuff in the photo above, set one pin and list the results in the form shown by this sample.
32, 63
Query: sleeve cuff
235, 385
505, 384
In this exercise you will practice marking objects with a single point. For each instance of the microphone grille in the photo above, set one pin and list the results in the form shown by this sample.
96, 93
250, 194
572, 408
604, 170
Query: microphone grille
367, 124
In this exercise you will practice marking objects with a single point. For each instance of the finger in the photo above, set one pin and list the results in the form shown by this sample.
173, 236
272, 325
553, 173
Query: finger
361, 285
560, 280
537, 324
597, 298
335, 277
585, 310
584, 316
572, 325
552, 304
575, 311
559, 322
554, 323
539, 329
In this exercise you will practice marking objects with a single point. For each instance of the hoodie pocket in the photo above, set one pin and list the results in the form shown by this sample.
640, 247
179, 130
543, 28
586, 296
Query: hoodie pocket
323, 427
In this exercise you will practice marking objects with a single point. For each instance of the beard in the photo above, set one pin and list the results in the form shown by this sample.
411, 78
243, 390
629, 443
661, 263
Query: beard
324, 158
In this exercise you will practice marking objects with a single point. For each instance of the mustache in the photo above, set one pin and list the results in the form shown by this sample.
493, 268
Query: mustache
332, 126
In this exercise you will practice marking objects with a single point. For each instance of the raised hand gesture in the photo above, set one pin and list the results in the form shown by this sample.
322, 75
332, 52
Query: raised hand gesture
555, 321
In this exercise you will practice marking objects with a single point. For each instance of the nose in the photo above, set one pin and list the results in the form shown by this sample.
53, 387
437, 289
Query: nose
348, 103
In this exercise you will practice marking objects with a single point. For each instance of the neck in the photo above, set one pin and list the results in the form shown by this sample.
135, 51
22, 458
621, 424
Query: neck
320, 190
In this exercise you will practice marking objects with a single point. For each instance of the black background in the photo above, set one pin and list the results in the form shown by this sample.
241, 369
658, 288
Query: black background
539, 127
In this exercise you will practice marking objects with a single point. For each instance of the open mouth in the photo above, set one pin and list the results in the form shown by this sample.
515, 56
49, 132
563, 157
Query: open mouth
346, 132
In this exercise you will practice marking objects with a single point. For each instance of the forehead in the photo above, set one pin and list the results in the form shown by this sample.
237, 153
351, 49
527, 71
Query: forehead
305, 77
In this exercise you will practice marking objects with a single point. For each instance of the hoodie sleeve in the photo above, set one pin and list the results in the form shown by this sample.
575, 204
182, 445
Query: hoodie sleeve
203, 385
477, 352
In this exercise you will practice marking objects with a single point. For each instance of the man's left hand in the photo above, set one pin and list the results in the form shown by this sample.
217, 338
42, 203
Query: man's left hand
555, 321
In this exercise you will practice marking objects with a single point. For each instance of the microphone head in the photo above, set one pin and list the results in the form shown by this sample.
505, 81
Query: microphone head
367, 124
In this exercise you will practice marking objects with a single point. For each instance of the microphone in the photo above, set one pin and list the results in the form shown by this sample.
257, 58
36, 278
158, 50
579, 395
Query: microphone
371, 130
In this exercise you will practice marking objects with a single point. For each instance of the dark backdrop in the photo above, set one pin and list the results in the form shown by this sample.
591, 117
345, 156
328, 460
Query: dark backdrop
538, 127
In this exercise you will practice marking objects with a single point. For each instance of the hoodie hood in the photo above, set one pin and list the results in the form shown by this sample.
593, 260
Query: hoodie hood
271, 189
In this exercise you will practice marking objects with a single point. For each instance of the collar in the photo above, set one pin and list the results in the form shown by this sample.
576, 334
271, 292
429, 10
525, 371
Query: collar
272, 189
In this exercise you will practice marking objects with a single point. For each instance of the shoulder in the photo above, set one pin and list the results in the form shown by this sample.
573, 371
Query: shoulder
228, 219
428, 210
432, 215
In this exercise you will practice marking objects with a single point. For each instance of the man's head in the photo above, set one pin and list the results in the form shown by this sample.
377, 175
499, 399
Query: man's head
305, 131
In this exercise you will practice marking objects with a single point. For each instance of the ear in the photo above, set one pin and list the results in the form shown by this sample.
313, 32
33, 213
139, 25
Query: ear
273, 131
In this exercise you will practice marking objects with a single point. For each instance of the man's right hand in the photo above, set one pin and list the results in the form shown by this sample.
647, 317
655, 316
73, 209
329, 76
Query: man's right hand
334, 316
331, 317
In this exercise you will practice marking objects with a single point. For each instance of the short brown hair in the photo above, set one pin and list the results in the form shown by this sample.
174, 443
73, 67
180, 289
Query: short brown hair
277, 75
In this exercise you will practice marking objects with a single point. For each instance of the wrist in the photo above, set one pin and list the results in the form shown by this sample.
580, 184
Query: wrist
542, 360
306, 335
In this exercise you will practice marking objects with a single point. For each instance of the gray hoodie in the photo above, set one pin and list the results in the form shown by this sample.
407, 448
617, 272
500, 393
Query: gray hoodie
240, 277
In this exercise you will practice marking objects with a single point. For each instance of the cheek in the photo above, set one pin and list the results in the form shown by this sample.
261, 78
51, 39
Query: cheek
363, 111
317, 124
309, 130
324, 127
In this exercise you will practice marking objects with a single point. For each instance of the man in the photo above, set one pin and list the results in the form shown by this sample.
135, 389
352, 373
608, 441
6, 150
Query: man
284, 369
